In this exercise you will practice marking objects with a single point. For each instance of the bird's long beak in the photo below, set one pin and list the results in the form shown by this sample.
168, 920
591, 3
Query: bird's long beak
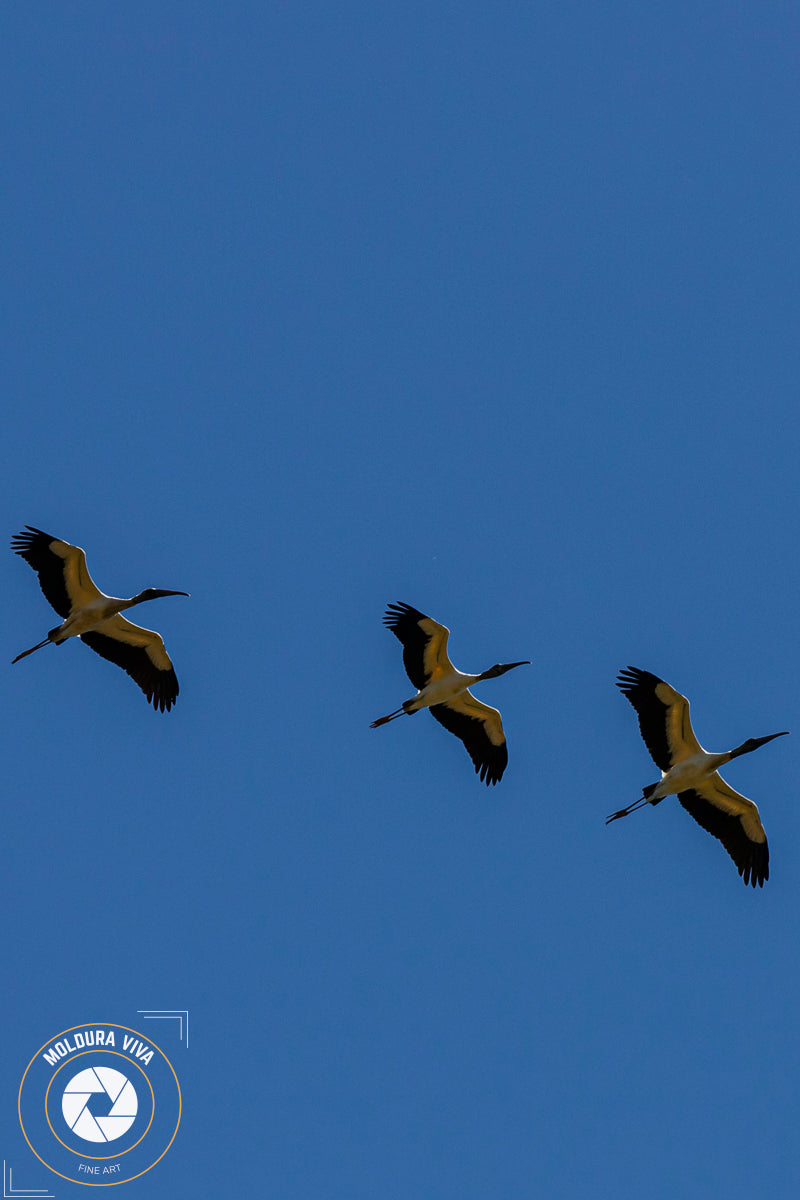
164, 592
754, 743
770, 738
500, 669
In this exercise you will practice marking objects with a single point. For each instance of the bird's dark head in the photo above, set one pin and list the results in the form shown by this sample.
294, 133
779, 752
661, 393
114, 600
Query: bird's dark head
501, 668
754, 743
155, 593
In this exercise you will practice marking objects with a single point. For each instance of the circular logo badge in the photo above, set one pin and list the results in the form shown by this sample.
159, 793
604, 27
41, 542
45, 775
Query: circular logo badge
99, 1104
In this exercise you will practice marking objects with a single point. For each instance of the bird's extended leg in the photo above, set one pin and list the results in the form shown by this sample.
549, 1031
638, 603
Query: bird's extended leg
623, 812
382, 720
25, 653
645, 798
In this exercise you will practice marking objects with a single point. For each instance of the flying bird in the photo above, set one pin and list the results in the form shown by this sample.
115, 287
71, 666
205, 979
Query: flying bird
443, 690
95, 618
690, 772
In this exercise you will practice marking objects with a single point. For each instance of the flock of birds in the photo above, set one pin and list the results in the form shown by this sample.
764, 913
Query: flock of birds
687, 770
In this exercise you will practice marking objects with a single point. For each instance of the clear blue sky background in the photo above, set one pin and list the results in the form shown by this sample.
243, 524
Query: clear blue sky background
487, 307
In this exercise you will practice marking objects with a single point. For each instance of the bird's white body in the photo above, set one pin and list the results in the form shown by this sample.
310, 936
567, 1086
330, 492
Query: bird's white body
91, 614
690, 773
440, 690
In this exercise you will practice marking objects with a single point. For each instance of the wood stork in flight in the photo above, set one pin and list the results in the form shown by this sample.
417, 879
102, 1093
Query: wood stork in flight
443, 690
95, 618
691, 772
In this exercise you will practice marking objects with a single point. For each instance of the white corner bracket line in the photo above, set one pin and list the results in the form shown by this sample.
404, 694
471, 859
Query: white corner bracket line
27, 1193
181, 1015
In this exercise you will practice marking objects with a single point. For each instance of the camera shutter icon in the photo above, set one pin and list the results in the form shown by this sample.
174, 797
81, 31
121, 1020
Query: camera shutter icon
94, 1081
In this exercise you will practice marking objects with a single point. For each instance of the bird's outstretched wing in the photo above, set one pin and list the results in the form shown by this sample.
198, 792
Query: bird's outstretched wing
733, 819
424, 643
663, 717
63, 575
140, 652
480, 728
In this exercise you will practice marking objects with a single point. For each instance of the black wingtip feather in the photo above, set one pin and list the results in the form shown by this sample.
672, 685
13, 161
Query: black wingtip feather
631, 678
24, 543
397, 614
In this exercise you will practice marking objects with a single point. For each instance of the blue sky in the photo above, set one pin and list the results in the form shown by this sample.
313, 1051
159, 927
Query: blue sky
491, 309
